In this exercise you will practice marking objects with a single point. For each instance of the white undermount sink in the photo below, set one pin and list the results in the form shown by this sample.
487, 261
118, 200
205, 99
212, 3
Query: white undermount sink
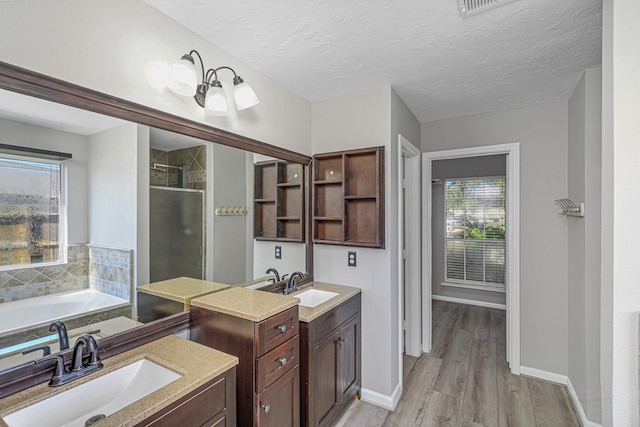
314, 297
104, 395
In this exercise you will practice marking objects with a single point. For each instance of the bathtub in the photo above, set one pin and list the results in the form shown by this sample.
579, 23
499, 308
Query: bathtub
38, 311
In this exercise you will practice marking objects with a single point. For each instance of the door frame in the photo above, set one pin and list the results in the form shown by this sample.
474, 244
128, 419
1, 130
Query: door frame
409, 152
512, 150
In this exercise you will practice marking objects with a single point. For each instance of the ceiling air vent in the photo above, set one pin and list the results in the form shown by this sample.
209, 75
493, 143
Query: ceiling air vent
470, 7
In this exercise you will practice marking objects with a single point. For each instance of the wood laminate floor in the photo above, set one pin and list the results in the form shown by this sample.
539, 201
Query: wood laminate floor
465, 381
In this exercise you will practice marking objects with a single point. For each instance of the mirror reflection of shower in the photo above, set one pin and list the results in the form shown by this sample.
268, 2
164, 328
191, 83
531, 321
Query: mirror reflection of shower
176, 212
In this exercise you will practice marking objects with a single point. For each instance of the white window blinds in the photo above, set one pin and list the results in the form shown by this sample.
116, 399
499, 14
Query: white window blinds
475, 217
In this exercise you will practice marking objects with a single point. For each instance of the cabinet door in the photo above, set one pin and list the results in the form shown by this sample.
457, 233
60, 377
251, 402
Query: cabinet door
279, 404
325, 373
348, 359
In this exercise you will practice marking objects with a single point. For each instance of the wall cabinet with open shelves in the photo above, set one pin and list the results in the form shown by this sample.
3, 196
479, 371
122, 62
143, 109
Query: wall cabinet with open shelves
348, 203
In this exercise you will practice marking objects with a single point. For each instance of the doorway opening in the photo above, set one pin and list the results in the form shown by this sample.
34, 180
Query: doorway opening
435, 245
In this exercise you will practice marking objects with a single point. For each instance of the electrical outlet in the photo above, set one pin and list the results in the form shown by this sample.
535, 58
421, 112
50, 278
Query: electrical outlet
278, 252
351, 260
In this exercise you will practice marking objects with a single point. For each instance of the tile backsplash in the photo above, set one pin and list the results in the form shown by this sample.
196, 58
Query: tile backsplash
111, 271
32, 282
88, 266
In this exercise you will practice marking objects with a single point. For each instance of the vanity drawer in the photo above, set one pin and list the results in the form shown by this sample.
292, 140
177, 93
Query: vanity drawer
277, 362
275, 330
332, 320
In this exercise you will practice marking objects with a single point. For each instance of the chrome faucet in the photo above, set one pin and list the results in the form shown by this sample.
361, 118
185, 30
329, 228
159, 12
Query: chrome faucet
59, 327
78, 369
291, 285
275, 273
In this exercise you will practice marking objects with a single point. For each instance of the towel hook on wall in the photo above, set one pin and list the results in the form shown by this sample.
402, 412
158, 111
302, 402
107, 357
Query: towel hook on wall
570, 208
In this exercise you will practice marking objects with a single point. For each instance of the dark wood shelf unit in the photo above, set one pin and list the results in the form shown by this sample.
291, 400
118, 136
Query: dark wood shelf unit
348, 198
279, 201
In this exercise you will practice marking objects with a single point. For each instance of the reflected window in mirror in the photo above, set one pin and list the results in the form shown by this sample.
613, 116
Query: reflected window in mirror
32, 211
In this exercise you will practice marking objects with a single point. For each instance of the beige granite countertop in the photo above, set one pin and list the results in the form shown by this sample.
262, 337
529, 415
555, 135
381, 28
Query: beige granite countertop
246, 303
307, 314
182, 289
196, 363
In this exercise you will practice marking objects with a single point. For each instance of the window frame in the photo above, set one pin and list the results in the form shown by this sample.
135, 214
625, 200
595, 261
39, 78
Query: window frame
62, 214
474, 284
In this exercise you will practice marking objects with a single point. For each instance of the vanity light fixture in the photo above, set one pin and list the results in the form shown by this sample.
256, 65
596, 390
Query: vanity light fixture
209, 94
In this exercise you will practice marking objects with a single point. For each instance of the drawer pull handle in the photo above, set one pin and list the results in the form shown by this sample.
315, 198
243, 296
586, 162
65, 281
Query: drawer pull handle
282, 328
282, 360
266, 408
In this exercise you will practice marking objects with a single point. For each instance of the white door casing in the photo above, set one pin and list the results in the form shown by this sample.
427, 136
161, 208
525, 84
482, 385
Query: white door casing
409, 157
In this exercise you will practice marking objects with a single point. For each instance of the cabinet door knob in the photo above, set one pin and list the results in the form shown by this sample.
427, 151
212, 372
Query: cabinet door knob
340, 341
266, 408
282, 360
282, 328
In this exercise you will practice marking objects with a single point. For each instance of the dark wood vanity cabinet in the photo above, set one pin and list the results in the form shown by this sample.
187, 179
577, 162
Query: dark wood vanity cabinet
330, 360
268, 379
348, 191
278, 201
212, 404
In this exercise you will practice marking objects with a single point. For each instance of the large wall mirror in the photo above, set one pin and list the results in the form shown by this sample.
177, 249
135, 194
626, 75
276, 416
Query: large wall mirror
99, 196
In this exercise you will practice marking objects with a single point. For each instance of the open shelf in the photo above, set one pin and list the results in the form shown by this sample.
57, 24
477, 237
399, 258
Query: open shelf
348, 204
279, 201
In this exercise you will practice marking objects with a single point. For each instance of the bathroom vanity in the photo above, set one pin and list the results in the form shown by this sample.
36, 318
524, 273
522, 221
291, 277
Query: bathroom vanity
161, 299
261, 329
201, 390
330, 342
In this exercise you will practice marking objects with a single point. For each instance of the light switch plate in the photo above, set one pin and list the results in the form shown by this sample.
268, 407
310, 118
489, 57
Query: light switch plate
278, 252
351, 260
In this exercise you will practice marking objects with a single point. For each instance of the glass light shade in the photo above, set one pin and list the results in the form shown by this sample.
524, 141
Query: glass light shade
216, 101
183, 79
243, 95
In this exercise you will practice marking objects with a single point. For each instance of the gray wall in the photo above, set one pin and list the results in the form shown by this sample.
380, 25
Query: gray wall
367, 119
585, 158
229, 232
468, 167
542, 133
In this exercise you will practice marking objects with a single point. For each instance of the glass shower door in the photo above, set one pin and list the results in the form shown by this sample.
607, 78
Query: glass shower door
176, 233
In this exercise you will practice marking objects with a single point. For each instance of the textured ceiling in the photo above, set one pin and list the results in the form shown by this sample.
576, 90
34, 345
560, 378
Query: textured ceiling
522, 53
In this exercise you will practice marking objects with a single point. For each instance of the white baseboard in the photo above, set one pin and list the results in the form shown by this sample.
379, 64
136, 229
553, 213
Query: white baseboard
565, 381
544, 375
470, 302
582, 416
382, 400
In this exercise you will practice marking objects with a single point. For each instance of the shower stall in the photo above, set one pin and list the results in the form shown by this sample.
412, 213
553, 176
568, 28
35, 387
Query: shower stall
176, 233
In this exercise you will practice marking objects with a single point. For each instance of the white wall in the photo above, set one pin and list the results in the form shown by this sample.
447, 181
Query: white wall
542, 133
468, 167
107, 45
620, 205
585, 157
26, 135
113, 187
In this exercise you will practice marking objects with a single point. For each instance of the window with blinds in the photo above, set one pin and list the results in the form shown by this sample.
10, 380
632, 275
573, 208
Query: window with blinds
475, 218
30, 211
